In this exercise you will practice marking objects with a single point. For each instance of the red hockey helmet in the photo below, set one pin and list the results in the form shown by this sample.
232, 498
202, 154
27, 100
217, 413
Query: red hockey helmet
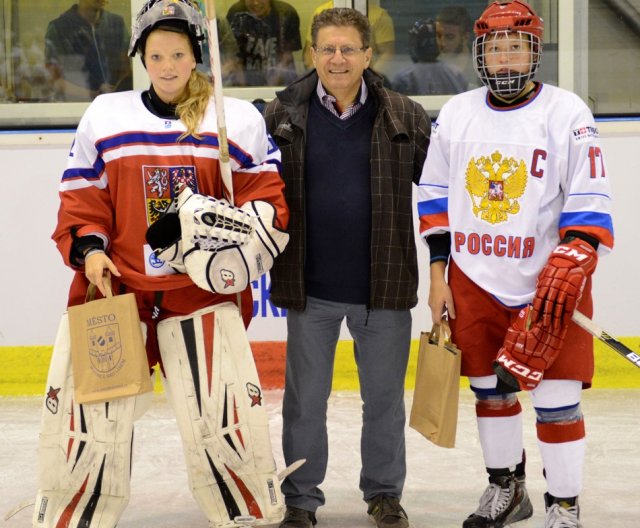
515, 15
510, 19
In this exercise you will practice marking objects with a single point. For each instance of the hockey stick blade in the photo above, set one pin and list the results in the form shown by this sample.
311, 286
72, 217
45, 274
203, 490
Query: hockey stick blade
290, 469
622, 349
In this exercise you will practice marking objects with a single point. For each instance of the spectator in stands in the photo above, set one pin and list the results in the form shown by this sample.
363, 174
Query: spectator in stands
453, 34
230, 64
267, 32
427, 76
86, 52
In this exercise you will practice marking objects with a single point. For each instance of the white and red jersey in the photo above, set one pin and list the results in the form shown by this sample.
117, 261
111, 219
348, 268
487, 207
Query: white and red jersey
508, 183
126, 165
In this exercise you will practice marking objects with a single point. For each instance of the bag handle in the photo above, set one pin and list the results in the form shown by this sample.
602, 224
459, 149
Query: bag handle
441, 335
91, 290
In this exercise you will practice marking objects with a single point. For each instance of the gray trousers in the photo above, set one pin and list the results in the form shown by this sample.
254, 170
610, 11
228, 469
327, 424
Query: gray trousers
382, 339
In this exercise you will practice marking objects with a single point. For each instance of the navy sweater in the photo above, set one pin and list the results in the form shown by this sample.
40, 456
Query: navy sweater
338, 204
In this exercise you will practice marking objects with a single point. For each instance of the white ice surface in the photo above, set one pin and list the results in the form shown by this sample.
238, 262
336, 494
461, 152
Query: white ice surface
442, 487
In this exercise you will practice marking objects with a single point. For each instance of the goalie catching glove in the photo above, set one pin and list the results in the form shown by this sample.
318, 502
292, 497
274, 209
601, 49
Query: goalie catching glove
528, 350
221, 247
561, 282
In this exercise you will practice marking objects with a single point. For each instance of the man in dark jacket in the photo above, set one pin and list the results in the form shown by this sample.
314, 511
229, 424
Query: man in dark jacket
351, 152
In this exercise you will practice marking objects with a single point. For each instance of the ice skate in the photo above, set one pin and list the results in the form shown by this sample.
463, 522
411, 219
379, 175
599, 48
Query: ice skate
562, 513
504, 502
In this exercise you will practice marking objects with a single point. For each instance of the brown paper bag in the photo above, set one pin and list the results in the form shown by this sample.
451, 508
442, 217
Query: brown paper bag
108, 356
434, 412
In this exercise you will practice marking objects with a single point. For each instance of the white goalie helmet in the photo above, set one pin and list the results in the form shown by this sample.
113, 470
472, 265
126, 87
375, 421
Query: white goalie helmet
183, 16
502, 63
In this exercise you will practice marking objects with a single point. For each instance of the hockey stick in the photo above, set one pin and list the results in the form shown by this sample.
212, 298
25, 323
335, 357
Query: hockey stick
622, 349
216, 71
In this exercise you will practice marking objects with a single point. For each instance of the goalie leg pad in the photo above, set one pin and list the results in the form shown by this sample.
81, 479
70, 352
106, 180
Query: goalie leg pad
212, 384
84, 452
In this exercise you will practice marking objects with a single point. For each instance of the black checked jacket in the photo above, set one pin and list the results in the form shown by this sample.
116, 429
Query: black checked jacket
398, 150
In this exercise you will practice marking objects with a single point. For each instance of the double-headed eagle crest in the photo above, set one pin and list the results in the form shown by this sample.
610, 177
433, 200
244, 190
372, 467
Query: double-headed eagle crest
494, 183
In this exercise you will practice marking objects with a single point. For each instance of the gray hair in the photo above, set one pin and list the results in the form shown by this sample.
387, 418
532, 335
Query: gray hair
341, 17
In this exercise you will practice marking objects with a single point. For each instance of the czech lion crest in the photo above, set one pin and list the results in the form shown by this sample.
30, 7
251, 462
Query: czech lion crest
494, 183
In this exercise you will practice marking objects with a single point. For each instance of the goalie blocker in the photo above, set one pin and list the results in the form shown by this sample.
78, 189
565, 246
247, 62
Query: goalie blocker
221, 247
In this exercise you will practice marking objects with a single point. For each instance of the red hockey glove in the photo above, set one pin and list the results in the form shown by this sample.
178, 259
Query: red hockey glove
526, 353
561, 282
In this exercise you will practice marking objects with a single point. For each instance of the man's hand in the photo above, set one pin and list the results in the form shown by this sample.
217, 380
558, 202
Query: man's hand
561, 282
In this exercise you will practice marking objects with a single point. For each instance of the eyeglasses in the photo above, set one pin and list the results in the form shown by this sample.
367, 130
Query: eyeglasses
330, 51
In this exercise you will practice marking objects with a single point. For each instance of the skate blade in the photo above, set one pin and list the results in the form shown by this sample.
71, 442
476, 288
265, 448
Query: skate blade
524, 523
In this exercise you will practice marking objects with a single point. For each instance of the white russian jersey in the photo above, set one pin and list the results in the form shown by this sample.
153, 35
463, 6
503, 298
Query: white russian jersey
508, 183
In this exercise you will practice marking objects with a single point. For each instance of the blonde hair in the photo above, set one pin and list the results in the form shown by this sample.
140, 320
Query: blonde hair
192, 105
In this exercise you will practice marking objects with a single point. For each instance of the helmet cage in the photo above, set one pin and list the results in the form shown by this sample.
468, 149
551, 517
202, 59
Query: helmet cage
155, 12
510, 83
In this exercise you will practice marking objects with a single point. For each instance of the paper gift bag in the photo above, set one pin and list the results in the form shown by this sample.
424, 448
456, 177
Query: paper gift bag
434, 412
108, 355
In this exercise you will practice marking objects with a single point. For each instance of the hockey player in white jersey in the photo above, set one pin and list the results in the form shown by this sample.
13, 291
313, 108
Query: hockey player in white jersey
136, 156
515, 206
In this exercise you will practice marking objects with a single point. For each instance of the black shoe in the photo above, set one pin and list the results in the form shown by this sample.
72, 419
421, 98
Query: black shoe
386, 512
298, 518
505, 501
